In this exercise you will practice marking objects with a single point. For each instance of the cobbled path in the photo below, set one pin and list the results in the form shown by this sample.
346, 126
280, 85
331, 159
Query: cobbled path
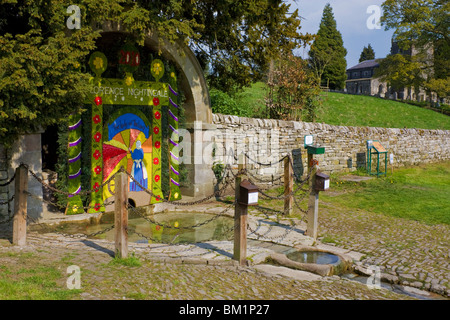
407, 252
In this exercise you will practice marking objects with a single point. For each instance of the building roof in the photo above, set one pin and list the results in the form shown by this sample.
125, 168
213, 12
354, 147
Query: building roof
366, 64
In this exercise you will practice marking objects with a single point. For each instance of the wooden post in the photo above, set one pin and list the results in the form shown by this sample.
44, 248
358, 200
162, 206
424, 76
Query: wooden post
240, 220
313, 203
240, 229
288, 186
121, 215
20, 207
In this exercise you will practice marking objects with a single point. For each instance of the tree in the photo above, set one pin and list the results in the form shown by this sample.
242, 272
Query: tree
293, 90
424, 26
440, 86
421, 24
327, 54
42, 74
400, 71
238, 42
417, 22
367, 54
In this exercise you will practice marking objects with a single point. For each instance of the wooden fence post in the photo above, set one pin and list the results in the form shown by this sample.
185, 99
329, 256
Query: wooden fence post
313, 204
288, 186
121, 215
20, 207
240, 220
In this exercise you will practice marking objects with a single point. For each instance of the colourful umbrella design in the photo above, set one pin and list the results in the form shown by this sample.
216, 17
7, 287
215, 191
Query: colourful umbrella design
130, 146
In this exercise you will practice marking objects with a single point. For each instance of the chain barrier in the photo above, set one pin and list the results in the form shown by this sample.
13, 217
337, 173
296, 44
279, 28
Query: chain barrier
227, 179
168, 226
10, 180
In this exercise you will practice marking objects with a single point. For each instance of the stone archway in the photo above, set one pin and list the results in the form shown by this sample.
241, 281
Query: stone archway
197, 105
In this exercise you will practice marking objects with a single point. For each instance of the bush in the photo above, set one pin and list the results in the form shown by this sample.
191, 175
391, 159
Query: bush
224, 104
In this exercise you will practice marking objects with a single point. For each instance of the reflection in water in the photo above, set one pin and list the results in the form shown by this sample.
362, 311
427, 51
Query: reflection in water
177, 227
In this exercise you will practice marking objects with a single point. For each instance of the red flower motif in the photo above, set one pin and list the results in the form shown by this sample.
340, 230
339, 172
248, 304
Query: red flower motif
155, 101
96, 187
97, 137
157, 177
158, 228
156, 130
156, 161
97, 154
96, 119
97, 206
98, 169
157, 144
158, 198
157, 115
98, 100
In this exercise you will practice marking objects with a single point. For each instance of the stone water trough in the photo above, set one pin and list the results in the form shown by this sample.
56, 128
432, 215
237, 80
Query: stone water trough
318, 260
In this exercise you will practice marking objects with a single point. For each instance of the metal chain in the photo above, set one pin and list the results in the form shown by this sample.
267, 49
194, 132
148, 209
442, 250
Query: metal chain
227, 181
177, 203
265, 164
216, 216
10, 180
7, 201
48, 186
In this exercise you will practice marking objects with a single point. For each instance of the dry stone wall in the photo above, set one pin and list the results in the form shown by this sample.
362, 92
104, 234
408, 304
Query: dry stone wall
267, 140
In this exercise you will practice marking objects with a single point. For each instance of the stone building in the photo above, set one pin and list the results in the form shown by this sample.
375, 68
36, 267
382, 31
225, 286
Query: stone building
361, 77
361, 80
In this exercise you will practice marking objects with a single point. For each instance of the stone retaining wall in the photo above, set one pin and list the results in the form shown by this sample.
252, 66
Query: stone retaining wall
266, 140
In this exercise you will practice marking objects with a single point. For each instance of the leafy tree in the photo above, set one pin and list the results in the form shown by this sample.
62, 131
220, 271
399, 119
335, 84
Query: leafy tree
367, 54
239, 41
293, 91
417, 22
42, 74
327, 54
400, 71
440, 86
422, 25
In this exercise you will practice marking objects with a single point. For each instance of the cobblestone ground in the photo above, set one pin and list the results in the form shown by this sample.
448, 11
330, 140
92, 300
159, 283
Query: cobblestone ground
407, 252
155, 280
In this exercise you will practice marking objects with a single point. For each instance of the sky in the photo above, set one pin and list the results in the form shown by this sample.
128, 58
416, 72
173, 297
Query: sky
353, 21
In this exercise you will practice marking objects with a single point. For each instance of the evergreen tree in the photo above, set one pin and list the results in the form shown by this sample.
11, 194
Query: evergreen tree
327, 54
367, 54
43, 76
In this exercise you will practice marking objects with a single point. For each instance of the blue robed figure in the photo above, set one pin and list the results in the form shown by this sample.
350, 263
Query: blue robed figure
138, 172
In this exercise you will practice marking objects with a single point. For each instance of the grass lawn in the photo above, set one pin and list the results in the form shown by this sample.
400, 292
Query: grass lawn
352, 110
418, 193
31, 279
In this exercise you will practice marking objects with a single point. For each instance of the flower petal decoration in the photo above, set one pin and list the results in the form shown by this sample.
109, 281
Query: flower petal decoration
96, 119
98, 169
155, 101
157, 115
156, 130
157, 178
97, 137
156, 161
98, 100
97, 155
157, 144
